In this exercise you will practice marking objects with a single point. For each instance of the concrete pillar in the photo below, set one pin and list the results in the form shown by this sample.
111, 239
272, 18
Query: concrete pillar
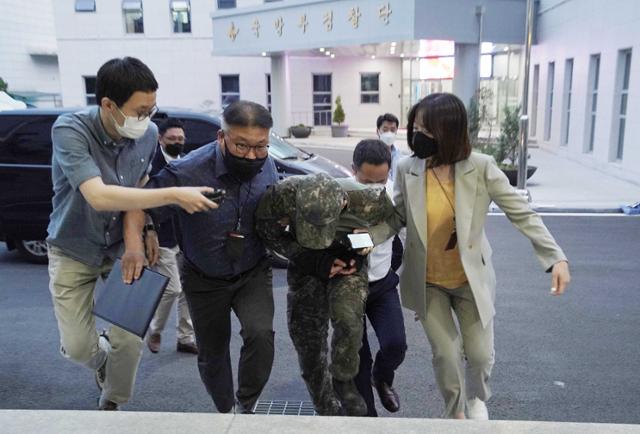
466, 71
280, 93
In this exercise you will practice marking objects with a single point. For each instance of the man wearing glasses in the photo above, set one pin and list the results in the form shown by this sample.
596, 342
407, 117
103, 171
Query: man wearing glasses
99, 156
225, 265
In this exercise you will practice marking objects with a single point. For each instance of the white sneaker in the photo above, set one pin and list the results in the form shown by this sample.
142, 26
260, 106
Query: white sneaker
477, 409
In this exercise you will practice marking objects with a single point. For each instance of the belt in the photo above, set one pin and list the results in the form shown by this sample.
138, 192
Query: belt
226, 279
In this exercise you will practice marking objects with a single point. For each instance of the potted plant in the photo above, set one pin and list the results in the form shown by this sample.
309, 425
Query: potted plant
505, 149
300, 131
338, 117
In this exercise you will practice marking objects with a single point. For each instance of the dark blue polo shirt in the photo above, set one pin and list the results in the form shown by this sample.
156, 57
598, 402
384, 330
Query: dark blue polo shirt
203, 234
82, 150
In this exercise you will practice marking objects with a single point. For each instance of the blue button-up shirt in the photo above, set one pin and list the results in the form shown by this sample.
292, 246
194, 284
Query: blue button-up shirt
204, 234
82, 150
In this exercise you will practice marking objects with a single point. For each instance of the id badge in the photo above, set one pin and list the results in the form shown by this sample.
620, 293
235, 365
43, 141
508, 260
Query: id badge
235, 245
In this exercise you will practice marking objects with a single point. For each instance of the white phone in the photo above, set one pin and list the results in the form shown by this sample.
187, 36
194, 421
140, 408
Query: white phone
360, 241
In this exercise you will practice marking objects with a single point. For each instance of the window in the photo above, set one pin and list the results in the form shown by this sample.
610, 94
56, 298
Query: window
181, 16
534, 100
26, 139
269, 91
566, 112
370, 88
592, 101
226, 4
549, 105
85, 5
229, 89
622, 96
90, 90
321, 99
132, 12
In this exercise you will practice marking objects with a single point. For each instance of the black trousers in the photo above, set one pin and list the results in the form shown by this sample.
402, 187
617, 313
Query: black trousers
250, 296
385, 315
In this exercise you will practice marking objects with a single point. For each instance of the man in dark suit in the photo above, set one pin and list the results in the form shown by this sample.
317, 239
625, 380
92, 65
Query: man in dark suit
165, 259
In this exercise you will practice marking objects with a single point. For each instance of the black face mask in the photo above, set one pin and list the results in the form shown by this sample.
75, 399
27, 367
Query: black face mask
424, 146
242, 168
174, 149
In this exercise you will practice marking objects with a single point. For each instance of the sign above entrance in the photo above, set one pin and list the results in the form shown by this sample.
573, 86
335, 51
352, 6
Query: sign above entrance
302, 25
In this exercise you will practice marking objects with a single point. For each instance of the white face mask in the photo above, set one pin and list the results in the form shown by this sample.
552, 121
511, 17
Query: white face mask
378, 187
133, 128
388, 138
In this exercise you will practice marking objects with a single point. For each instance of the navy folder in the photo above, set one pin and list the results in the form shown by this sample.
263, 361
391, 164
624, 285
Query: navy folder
130, 307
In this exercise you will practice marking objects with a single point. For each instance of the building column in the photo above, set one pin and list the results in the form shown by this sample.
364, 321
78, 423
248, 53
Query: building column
280, 93
466, 71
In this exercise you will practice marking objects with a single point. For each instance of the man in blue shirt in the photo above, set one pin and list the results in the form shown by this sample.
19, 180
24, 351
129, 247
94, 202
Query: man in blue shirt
99, 155
165, 260
225, 264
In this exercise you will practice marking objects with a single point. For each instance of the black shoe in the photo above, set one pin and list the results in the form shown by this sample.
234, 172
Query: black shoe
331, 407
241, 409
107, 405
388, 396
351, 400
189, 348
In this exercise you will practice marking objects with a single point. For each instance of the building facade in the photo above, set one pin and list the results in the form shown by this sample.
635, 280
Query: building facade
584, 83
28, 53
298, 56
172, 37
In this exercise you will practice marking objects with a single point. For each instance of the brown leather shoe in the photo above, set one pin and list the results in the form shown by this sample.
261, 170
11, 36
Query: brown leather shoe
153, 342
388, 396
190, 348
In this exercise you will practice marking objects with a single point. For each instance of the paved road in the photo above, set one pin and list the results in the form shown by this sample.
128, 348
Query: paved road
587, 340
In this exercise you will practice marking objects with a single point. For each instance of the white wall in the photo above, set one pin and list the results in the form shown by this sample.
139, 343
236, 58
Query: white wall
187, 73
577, 29
346, 83
28, 27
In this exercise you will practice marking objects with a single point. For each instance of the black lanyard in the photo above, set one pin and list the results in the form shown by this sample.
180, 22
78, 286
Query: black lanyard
242, 205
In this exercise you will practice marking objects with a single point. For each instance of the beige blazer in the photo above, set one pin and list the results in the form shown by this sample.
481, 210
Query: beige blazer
478, 181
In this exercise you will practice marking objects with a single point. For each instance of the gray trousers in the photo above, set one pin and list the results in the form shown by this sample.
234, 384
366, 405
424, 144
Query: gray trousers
168, 266
72, 284
451, 345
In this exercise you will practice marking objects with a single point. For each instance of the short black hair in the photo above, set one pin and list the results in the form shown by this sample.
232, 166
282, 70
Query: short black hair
372, 151
243, 113
118, 79
170, 123
389, 118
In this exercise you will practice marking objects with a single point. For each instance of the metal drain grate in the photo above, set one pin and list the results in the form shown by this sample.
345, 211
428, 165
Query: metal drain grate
285, 408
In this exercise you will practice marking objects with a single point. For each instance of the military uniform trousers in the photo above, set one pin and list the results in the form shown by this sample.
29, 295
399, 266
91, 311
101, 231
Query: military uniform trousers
311, 303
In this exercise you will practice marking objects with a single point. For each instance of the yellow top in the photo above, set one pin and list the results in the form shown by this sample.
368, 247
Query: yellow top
444, 267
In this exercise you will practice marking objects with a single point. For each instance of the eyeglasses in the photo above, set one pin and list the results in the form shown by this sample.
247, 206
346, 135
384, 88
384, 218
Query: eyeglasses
142, 116
151, 113
259, 150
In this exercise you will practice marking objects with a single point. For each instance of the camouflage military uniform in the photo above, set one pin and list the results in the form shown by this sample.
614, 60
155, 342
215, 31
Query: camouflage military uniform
303, 219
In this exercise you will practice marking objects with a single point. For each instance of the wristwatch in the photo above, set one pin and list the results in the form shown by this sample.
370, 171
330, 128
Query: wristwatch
149, 227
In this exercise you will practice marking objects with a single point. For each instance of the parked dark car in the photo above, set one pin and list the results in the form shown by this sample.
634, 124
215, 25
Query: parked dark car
25, 169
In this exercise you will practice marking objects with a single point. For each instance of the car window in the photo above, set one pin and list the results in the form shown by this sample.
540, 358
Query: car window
199, 132
26, 139
284, 150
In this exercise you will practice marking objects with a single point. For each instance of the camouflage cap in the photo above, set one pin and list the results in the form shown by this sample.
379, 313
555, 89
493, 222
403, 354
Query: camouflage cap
319, 202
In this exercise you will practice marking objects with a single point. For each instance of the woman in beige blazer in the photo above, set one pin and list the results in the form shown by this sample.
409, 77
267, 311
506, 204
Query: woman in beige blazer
443, 192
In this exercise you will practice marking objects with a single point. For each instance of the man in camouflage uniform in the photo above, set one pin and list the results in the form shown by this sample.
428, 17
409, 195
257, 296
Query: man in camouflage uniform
306, 219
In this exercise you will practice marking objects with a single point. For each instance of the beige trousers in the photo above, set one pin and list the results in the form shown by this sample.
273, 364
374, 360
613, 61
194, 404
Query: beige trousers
451, 344
168, 266
72, 285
